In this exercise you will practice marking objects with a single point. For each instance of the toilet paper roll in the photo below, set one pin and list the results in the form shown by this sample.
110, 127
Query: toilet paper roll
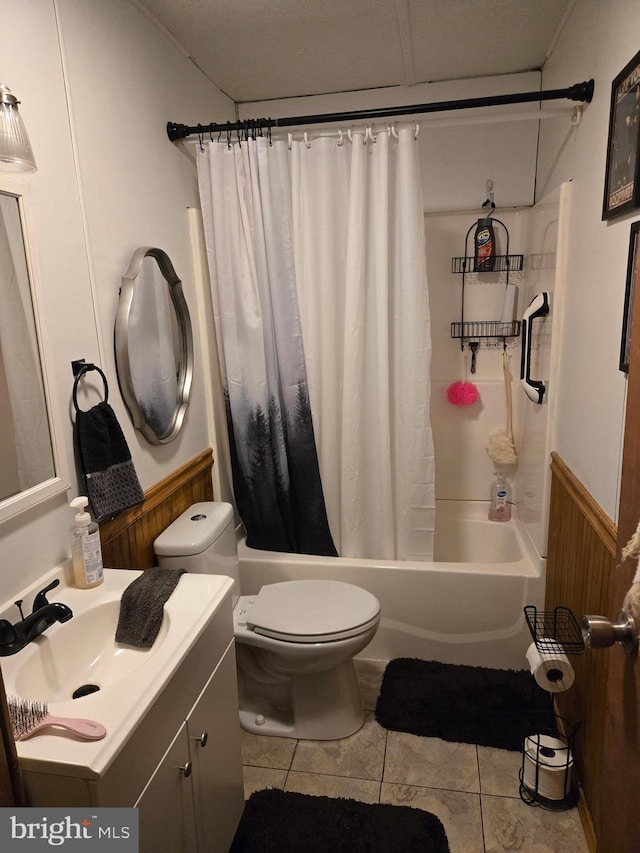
550, 668
548, 764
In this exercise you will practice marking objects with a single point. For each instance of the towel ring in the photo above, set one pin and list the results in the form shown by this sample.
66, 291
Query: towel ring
79, 368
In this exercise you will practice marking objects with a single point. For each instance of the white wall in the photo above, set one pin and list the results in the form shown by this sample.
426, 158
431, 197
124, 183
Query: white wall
598, 41
97, 83
455, 160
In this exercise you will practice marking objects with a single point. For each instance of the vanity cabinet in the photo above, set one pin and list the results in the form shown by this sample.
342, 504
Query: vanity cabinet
181, 766
191, 802
165, 809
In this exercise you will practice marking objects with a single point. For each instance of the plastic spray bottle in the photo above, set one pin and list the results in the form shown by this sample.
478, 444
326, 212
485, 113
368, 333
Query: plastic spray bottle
86, 552
500, 505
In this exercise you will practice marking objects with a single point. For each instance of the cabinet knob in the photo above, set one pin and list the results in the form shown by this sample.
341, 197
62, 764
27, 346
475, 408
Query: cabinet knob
186, 770
204, 737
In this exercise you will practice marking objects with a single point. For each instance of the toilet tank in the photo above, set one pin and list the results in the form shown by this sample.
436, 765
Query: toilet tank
201, 540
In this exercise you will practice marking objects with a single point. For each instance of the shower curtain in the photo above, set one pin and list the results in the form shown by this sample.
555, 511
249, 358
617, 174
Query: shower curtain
245, 196
361, 273
352, 256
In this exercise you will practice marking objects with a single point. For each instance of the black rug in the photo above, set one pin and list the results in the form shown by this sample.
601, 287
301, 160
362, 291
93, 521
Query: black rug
278, 822
465, 704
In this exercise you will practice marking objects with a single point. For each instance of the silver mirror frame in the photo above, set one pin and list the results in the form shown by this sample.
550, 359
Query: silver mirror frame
121, 340
60, 482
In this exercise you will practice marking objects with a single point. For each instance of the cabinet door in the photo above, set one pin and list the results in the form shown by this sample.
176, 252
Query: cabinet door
214, 743
167, 822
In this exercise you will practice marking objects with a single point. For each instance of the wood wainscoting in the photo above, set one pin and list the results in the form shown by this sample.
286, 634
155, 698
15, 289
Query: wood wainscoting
127, 540
580, 565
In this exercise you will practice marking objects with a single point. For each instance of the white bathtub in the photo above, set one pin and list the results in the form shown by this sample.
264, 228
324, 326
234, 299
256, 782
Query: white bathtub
466, 607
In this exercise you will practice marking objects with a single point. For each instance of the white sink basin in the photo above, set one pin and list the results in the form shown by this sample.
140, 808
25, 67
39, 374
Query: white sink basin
80, 655
83, 652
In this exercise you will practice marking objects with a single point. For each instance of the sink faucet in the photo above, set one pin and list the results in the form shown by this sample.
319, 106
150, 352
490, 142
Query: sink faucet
13, 638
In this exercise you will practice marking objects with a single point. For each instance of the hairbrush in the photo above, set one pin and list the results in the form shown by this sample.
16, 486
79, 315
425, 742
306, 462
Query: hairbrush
29, 717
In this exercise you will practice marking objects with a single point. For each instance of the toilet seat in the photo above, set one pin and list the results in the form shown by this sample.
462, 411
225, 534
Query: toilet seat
312, 611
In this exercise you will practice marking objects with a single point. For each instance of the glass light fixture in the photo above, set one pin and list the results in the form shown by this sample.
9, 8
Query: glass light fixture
15, 149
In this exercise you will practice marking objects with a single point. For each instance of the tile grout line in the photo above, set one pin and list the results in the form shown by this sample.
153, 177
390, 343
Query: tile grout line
484, 844
384, 762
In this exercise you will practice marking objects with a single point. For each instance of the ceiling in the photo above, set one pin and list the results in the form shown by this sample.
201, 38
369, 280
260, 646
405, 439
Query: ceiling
266, 49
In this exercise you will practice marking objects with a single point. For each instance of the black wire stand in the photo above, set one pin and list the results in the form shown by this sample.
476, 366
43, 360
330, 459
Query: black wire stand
546, 773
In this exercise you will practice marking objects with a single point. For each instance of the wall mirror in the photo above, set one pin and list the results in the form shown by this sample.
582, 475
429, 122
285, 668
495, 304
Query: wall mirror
32, 459
154, 346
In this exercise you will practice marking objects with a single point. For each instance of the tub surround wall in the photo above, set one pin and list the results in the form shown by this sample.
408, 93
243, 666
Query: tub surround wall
463, 468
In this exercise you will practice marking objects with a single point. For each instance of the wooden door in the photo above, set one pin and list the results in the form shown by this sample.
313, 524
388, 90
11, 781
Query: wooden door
620, 784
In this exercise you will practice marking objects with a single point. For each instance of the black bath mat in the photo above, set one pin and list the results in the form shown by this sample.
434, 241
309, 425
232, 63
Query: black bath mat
276, 821
465, 704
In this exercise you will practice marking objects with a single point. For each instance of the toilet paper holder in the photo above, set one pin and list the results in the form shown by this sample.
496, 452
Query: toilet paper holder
549, 628
598, 632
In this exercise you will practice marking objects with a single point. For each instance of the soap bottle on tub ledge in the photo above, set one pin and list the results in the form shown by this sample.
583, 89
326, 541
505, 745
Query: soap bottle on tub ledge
500, 504
86, 552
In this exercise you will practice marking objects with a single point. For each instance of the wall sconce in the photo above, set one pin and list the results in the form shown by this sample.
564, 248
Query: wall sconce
15, 149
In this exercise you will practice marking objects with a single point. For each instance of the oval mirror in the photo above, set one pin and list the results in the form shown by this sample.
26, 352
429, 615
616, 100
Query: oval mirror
154, 346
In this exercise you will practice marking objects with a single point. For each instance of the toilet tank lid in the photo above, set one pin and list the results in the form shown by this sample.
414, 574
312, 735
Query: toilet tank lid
195, 530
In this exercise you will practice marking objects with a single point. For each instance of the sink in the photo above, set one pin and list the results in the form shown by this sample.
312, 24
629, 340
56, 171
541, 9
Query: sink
116, 685
80, 656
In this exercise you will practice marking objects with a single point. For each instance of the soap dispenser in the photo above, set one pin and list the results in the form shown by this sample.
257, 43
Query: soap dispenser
86, 552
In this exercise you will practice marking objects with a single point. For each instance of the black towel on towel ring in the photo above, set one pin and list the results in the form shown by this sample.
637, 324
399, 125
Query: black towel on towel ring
108, 470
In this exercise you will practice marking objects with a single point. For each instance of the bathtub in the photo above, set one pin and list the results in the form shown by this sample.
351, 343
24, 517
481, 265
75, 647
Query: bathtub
466, 607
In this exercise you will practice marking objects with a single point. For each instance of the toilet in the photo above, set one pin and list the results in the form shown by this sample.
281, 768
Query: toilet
295, 640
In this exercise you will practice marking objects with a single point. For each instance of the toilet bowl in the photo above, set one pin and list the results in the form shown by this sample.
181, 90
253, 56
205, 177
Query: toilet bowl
295, 640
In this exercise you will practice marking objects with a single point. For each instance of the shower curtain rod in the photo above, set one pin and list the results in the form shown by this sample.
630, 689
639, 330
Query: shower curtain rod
579, 92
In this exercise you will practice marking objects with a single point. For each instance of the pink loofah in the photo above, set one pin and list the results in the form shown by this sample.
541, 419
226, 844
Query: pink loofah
462, 393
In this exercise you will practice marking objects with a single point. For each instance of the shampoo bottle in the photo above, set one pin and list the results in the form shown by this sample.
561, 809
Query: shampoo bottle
484, 246
86, 552
500, 505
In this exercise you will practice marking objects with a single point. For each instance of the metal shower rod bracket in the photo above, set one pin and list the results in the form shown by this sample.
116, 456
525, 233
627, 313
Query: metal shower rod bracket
582, 92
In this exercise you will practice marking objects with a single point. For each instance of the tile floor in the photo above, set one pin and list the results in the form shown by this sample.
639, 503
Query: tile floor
472, 789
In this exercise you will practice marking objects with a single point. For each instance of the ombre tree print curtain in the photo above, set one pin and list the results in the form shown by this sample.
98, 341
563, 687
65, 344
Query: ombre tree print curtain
246, 208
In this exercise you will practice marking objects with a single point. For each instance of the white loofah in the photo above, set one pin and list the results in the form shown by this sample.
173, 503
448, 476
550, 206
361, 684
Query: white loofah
501, 448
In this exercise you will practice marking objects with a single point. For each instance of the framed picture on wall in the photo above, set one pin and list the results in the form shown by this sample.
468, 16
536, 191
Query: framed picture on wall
633, 274
622, 179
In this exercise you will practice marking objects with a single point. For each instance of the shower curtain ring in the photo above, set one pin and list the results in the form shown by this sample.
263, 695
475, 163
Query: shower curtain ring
306, 140
341, 139
289, 140
350, 135
369, 135
415, 136
394, 131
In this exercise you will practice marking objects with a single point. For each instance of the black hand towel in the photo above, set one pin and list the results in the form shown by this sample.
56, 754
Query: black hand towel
110, 476
142, 606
